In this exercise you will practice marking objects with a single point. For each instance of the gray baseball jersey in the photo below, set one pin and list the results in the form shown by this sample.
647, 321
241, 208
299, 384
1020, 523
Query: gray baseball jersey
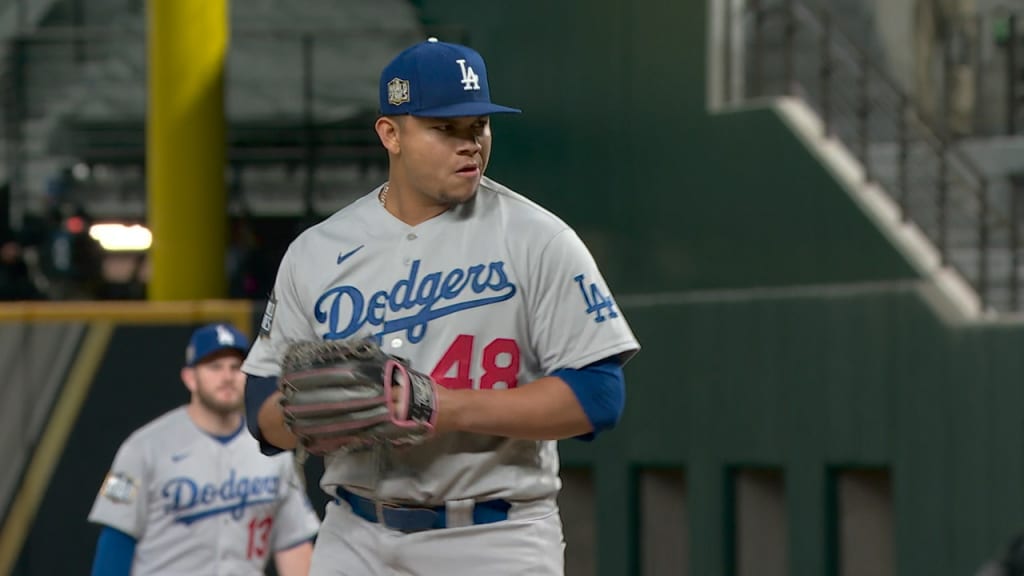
196, 505
494, 293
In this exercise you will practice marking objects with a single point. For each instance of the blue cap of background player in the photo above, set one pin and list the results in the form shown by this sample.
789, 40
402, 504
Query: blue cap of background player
437, 80
214, 338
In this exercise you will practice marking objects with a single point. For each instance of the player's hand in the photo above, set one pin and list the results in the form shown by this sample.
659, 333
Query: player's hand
442, 424
397, 402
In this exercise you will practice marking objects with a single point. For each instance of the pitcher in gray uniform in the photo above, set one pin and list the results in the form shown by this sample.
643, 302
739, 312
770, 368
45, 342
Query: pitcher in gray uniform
191, 494
494, 297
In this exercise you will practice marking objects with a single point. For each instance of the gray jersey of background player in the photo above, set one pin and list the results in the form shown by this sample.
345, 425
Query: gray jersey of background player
190, 493
494, 297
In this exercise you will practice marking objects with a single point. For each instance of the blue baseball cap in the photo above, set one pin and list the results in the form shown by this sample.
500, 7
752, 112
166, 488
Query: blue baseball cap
437, 80
214, 338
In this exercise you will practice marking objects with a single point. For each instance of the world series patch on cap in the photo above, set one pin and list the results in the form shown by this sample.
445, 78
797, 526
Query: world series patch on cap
437, 80
398, 91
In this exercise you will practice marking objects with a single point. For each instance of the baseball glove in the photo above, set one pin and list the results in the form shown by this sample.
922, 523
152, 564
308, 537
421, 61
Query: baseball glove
346, 395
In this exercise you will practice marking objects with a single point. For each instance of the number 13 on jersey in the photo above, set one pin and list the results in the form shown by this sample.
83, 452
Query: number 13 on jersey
499, 363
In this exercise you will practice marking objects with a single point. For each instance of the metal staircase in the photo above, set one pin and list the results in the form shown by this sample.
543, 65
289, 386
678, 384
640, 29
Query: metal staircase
793, 49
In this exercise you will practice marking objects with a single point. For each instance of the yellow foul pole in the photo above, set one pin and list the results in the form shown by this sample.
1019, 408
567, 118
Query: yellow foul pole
187, 48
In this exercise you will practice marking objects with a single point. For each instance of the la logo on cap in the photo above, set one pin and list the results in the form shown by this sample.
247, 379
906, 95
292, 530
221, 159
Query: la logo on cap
225, 337
435, 79
470, 81
398, 91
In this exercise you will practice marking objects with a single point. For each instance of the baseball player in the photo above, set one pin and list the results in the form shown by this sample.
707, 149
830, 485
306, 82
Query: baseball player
190, 492
497, 299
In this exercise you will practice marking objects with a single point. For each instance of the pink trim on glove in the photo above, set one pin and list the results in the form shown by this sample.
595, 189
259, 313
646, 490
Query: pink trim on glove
405, 390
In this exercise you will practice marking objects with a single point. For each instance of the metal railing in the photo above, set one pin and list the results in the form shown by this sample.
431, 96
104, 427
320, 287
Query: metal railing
294, 98
1011, 40
793, 50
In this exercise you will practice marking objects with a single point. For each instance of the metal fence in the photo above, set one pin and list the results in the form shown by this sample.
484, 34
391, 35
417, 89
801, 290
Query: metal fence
1010, 39
299, 105
792, 49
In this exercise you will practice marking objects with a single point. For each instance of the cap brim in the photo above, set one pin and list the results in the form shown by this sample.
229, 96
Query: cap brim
466, 109
216, 351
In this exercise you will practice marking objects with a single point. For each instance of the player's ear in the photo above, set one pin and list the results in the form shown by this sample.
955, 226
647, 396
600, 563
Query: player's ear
388, 131
188, 377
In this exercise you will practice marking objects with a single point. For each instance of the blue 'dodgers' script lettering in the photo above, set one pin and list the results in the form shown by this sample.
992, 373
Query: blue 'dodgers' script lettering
190, 500
413, 301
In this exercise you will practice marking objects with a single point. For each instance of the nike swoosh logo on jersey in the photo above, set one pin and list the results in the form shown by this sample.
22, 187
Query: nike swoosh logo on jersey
179, 457
343, 257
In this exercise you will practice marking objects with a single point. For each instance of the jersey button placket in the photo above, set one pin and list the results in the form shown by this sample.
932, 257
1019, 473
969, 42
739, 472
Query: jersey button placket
224, 537
407, 250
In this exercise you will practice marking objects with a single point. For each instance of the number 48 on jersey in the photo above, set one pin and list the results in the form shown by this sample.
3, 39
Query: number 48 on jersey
499, 364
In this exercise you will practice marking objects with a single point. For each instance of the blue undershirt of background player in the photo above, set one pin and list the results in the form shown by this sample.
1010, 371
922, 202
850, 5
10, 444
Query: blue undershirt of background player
115, 550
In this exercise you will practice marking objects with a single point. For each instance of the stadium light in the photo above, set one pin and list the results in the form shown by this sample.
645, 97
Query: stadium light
121, 238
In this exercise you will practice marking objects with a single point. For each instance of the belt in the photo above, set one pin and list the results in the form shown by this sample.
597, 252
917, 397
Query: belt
410, 519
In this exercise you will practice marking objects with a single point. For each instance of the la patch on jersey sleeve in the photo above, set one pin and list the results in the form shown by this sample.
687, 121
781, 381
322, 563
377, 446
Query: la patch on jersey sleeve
575, 320
598, 303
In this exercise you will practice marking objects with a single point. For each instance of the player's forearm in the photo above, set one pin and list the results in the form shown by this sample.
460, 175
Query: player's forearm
546, 409
294, 561
272, 424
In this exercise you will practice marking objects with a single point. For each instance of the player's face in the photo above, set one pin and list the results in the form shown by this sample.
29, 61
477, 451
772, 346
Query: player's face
218, 383
444, 158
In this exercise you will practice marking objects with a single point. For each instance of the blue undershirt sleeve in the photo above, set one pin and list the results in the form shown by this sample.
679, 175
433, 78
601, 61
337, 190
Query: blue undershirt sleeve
257, 390
600, 389
115, 551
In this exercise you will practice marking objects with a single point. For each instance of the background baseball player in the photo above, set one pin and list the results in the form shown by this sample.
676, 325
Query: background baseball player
190, 493
495, 298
